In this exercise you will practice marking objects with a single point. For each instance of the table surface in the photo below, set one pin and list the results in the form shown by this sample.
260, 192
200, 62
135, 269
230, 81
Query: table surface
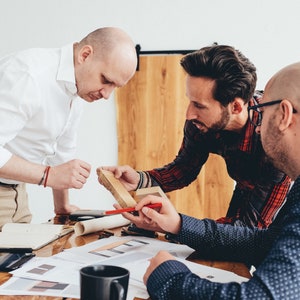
70, 240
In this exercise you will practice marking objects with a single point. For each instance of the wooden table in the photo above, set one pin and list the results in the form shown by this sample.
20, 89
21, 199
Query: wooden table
71, 240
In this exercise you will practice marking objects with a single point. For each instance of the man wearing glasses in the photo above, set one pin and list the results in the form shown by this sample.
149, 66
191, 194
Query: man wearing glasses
255, 111
220, 85
275, 251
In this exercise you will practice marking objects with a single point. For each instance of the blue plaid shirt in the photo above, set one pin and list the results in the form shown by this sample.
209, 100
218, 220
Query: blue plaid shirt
275, 252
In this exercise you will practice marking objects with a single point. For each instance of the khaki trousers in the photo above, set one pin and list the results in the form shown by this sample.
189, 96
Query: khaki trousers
14, 205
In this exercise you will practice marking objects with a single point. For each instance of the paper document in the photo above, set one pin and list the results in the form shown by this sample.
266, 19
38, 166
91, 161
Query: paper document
93, 225
59, 274
34, 236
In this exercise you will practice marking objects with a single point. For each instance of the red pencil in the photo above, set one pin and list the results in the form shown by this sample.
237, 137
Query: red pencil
129, 209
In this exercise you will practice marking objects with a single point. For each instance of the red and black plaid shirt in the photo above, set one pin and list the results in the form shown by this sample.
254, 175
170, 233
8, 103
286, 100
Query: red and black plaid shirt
260, 189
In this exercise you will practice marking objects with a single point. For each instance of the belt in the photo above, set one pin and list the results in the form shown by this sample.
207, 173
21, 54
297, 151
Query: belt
7, 185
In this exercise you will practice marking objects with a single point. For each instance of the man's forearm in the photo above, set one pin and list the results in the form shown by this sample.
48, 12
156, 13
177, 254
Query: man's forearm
61, 200
19, 169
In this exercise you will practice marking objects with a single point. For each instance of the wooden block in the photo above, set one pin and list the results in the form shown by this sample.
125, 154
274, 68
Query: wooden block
116, 188
154, 190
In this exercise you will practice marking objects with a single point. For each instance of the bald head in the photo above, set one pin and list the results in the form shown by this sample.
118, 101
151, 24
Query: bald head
285, 84
105, 39
280, 127
103, 60
108, 41
111, 44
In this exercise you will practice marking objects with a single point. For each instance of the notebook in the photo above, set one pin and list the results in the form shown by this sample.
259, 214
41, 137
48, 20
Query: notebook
31, 236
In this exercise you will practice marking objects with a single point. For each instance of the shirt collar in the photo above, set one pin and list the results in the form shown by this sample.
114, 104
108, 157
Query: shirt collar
247, 143
66, 70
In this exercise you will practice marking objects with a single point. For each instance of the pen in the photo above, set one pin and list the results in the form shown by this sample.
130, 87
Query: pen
129, 209
85, 214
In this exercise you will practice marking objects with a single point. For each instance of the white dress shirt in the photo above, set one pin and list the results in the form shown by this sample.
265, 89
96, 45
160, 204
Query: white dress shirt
39, 106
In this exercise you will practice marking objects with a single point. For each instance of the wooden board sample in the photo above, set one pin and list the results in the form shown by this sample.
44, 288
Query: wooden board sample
154, 190
116, 188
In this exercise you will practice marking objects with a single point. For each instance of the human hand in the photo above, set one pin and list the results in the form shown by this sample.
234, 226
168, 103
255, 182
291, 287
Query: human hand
72, 174
126, 175
155, 261
164, 219
62, 204
66, 210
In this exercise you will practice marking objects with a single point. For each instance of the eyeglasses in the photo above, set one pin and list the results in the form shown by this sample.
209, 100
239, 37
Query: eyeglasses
255, 114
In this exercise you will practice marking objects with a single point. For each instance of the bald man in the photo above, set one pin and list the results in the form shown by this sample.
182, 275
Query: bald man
275, 252
42, 93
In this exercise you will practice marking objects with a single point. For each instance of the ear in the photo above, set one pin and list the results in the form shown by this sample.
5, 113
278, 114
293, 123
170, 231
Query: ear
85, 52
286, 114
237, 105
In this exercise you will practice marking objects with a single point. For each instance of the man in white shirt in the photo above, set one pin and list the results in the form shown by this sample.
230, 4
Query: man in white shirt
42, 93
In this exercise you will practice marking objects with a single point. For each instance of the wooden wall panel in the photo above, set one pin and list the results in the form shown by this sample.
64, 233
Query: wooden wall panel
150, 117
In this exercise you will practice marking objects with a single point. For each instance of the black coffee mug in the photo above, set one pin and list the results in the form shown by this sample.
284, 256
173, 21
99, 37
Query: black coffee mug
103, 282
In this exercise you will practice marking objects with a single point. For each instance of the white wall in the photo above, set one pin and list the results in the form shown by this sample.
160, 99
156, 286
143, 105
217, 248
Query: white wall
264, 30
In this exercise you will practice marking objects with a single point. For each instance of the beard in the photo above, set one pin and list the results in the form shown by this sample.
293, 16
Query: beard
272, 145
215, 127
